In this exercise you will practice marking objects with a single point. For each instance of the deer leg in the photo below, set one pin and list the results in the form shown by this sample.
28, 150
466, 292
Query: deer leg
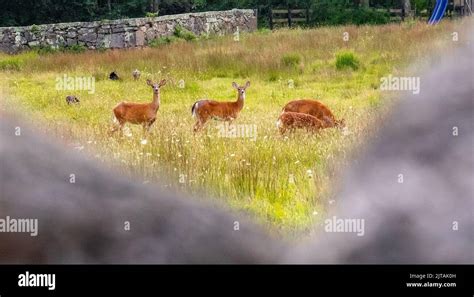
147, 126
282, 130
199, 124
119, 126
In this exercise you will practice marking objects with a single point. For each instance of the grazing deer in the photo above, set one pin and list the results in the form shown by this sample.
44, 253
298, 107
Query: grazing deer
316, 109
203, 110
71, 99
139, 113
114, 76
136, 74
295, 120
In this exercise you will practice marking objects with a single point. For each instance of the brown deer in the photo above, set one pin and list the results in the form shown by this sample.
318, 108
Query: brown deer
294, 120
316, 109
139, 113
203, 110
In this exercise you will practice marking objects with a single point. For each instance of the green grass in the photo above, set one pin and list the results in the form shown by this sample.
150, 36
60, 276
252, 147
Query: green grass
291, 60
285, 182
346, 60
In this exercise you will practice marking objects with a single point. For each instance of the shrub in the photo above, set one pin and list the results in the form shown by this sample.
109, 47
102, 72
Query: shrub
44, 50
291, 60
179, 34
161, 41
151, 14
347, 60
264, 31
338, 12
183, 33
34, 29
76, 48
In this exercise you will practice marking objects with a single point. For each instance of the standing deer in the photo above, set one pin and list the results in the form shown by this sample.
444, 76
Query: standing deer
139, 113
316, 109
136, 74
294, 120
203, 110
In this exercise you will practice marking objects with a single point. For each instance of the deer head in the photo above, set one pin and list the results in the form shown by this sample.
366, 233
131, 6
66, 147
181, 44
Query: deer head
156, 86
240, 89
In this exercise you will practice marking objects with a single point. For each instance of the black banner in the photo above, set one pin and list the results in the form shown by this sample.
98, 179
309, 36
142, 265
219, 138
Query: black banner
64, 280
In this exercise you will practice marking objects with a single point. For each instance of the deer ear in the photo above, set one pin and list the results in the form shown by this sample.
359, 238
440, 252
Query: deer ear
235, 85
162, 82
247, 84
149, 82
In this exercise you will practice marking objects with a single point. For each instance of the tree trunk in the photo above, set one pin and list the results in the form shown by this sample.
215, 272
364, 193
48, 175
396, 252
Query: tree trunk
109, 5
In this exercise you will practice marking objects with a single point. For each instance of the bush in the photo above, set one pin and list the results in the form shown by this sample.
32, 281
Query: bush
44, 50
291, 60
183, 33
338, 12
347, 60
77, 48
179, 34
369, 16
162, 41
34, 29
151, 14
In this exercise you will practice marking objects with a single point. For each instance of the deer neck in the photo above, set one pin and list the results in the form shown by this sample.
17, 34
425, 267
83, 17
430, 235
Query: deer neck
156, 101
240, 101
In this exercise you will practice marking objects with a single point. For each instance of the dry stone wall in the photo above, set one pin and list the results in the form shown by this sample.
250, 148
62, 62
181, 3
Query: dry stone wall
125, 33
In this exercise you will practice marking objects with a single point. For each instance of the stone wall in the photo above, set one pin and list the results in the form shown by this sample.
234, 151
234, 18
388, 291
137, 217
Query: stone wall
124, 33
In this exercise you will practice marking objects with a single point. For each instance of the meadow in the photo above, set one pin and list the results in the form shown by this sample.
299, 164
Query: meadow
287, 183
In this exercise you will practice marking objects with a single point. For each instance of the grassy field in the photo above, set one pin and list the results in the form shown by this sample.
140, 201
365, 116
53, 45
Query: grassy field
286, 183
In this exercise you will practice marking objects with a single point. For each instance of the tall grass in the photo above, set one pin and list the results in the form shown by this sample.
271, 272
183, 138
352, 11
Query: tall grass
286, 182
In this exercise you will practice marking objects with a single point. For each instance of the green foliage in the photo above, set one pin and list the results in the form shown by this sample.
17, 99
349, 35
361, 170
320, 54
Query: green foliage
338, 12
34, 29
179, 34
346, 60
46, 50
183, 33
162, 41
264, 31
151, 14
15, 62
12, 63
77, 48
291, 59
420, 5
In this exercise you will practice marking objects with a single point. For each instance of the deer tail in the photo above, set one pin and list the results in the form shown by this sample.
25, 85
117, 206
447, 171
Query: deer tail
194, 108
